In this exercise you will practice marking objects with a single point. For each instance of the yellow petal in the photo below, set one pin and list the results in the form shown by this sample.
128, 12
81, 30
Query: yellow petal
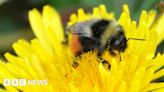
38, 28
159, 74
51, 20
154, 86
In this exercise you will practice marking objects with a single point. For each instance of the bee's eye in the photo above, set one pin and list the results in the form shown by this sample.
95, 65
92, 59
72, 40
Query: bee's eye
99, 27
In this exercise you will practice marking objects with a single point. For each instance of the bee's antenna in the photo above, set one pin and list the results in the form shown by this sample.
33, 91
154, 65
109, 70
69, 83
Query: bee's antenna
136, 39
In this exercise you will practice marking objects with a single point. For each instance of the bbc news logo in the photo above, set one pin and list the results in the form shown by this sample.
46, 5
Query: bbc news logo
24, 82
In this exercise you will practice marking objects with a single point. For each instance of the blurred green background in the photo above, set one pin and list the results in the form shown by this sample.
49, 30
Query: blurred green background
14, 20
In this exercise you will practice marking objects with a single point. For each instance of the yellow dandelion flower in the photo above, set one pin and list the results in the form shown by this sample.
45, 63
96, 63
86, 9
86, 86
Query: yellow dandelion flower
46, 64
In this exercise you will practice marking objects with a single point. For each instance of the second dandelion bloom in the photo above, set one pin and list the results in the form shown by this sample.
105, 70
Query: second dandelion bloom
45, 57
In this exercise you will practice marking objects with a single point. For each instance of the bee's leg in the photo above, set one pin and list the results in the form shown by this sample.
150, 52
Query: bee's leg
104, 62
111, 51
75, 64
75, 61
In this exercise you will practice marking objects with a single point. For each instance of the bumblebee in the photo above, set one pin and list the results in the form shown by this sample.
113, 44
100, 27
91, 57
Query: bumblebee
97, 34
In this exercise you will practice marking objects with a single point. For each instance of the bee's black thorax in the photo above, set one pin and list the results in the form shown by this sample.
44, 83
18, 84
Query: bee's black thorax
93, 42
99, 27
88, 44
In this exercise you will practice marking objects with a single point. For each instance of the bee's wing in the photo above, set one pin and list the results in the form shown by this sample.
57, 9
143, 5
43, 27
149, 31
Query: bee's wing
81, 29
70, 29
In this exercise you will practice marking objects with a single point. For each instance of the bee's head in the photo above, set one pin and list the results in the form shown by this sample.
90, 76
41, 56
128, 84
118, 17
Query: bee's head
118, 42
